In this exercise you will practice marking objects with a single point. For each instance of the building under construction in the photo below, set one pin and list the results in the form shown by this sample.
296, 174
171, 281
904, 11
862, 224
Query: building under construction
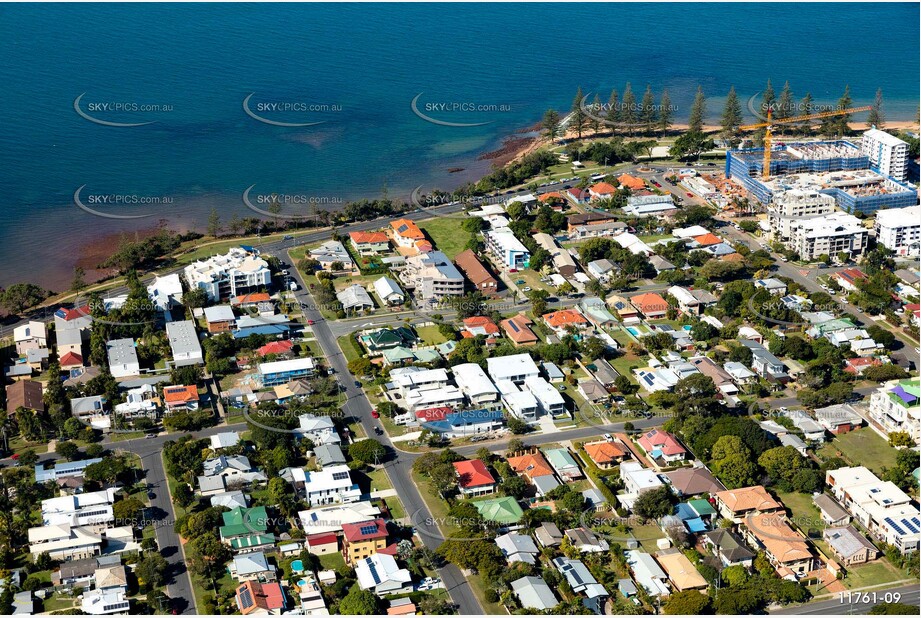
837, 168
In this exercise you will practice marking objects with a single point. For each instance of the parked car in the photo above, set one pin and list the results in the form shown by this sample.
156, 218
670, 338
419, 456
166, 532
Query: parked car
689, 194
288, 237
375, 414
310, 322
525, 290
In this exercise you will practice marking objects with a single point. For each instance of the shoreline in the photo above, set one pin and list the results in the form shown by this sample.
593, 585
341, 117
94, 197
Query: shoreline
513, 147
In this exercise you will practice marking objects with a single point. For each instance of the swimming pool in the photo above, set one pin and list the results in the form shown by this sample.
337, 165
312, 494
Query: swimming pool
297, 566
687, 327
633, 331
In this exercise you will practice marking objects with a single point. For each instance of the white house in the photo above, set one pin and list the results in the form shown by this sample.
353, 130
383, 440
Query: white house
381, 574
475, 384
30, 336
515, 368
123, 358
388, 291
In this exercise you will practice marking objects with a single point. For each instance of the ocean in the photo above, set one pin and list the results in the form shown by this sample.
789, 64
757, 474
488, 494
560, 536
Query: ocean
356, 70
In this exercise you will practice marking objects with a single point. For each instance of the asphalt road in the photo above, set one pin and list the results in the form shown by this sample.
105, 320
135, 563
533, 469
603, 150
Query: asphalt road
855, 605
399, 467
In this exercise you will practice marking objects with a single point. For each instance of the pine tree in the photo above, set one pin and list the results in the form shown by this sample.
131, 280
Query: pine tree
594, 120
648, 109
767, 99
577, 119
876, 117
698, 109
628, 108
842, 121
665, 112
79, 280
613, 113
806, 109
732, 115
214, 223
551, 124
784, 107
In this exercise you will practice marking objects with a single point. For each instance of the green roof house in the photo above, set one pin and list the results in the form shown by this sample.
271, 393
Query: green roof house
244, 522
500, 510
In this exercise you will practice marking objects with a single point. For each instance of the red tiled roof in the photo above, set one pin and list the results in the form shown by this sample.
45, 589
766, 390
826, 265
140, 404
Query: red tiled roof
253, 596
472, 268
516, 328
649, 302
604, 452
180, 394
71, 358
390, 550
473, 473
851, 275
631, 182
662, 441
553, 195
255, 297
365, 530
424, 246
367, 237
481, 321
531, 465
407, 229
73, 314
325, 538
276, 347
603, 188
708, 239
564, 317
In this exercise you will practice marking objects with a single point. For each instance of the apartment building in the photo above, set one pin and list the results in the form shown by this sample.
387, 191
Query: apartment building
831, 234
432, 276
899, 230
233, 274
507, 249
475, 384
281, 372
887, 153
881, 507
794, 205
183, 342
896, 406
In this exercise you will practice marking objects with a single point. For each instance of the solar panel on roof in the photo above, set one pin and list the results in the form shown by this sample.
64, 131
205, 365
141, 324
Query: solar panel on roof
368, 529
894, 526
246, 598
340, 476
910, 526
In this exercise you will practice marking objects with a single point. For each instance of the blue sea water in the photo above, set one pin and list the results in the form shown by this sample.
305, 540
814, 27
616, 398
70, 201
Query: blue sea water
365, 63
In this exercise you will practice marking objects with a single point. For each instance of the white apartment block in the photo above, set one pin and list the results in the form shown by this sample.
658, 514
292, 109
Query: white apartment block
899, 230
64, 542
881, 507
331, 485
521, 404
794, 205
507, 249
432, 276
475, 384
92, 510
234, 274
887, 153
896, 406
832, 234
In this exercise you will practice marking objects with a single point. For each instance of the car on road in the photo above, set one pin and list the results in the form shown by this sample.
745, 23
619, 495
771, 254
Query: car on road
378, 431
375, 414
288, 237
310, 322
292, 286
151, 495
689, 194
150, 435
357, 384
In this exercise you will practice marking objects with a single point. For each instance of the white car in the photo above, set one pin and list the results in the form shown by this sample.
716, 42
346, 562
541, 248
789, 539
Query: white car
525, 290
608, 437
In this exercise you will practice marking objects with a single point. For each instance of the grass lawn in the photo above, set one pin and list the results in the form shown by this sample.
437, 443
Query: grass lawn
350, 347
862, 447
379, 479
647, 535
436, 506
623, 364
872, 574
478, 585
201, 588
430, 335
445, 232
531, 280
803, 512
332, 561
58, 602
396, 507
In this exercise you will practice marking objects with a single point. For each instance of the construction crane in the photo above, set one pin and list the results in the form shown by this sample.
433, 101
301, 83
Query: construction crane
767, 126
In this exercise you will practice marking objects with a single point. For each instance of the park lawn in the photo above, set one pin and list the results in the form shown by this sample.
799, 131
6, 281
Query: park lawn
862, 447
447, 235
430, 335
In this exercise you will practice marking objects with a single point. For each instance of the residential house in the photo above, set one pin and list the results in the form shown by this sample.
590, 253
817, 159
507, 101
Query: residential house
64, 542
896, 406
530, 466
180, 398
849, 545
729, 547
838, 418
647, 573
637, 480
849, 278
361, 540
534, 594
601, 269
548, 398
473, 478
123, 358
784, 547
24, 394
476, 274
582, 582
507, 249
739, 504
370, 243
480, 325
563, 262
281, 372
692, 301
330, 485
254, 597
564, 320
627, 313
91, 411
586, 541
775, 286
517, 329
355, 299
515, 368
389, 291
681, 572
548, 535
381, 574
592, 390
563, 463
662, 445
406, 233
333, 256
693, 481
721, 378
518, 548
601, 190
606, 454
766, 364
30, 336
651, 305
251, 566
220, 319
